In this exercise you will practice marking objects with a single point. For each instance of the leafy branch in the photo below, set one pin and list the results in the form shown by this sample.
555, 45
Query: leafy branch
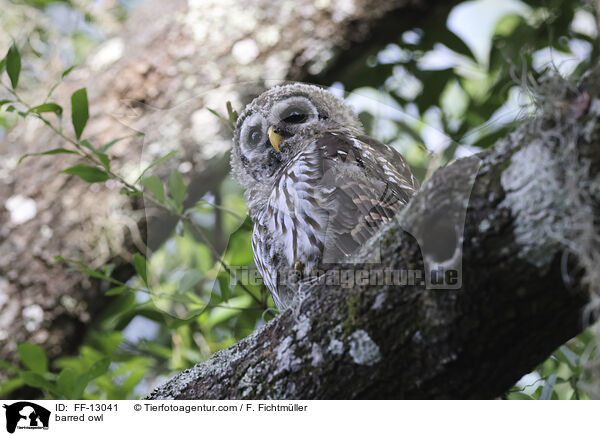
98, 166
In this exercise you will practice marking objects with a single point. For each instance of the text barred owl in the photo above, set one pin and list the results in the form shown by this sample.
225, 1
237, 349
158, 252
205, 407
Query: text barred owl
316, 186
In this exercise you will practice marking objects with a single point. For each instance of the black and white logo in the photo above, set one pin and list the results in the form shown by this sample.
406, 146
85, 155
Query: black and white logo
26, 415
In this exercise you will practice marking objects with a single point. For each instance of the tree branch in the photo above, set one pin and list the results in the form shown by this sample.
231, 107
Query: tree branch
522, 281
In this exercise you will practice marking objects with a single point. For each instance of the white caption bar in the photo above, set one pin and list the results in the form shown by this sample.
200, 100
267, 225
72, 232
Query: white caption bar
67, 418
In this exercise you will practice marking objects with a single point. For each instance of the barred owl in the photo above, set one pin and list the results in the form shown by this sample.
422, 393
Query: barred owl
316, 186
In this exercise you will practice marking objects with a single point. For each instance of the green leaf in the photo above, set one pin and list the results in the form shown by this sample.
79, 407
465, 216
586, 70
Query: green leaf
111, 143
519, 396
220, 315
224, 285
8, 366
215, 113
93, 273
87, 145
117, 291
177, 188
33, 357
13, 65
233, 115
30, 46
153, 164
52, 90
114, 141
127, 191
139, 262
10, 385
99, 368
79, 111
156, 349
88, 270
239, 251
3, 102
67, 71
46, 107
2, 64
104, 159
155, 186
108, 269
35, 380
189, 280
46, 153
108, 342
66, 383
87, 173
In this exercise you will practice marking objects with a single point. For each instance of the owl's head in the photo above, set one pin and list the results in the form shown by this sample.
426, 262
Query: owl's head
277, 124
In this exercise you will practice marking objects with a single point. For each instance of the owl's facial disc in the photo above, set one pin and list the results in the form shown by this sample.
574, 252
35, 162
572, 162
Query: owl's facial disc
290, 120
256, 152
253, 134
270, 137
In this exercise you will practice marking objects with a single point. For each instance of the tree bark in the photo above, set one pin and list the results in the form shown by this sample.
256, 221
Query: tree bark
525, 257
171, 61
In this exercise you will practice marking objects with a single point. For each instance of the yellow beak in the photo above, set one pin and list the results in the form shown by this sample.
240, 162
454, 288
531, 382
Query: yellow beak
274, 138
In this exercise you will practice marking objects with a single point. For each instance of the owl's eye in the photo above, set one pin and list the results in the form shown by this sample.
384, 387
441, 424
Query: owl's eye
254, 135
294, 116
295, 110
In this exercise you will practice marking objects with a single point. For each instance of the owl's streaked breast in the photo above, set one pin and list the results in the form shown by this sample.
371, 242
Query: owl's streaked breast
325, 203
295, 216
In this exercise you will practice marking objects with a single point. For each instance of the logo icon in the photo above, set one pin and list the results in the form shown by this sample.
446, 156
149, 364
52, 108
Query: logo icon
26, 415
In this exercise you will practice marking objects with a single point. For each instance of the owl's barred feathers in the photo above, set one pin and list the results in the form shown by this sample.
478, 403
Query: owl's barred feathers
324, 194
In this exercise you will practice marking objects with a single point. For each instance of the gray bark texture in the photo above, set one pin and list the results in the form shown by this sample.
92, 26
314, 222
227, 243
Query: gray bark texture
170, 62
527, 251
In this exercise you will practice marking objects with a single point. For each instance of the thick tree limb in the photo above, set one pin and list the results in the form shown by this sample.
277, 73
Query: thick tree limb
521, 295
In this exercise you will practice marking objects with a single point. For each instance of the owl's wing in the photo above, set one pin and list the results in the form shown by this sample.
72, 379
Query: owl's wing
260, 252
367, 183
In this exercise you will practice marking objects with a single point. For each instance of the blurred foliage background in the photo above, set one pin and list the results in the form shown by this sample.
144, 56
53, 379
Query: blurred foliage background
436, 94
